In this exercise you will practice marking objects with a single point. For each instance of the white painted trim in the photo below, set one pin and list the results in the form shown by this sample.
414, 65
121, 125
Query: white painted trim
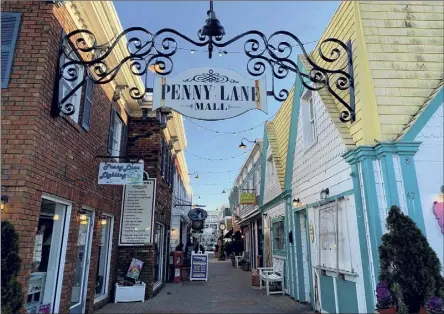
64, 244
102, 296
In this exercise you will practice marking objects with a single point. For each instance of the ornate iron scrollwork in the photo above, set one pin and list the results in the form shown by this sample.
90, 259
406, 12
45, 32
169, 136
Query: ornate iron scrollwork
146, 50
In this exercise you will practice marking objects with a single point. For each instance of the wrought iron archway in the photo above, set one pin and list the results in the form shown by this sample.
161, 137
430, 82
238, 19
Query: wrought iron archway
156, 50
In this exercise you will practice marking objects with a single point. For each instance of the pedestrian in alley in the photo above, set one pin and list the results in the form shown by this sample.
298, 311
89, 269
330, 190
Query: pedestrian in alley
198, 247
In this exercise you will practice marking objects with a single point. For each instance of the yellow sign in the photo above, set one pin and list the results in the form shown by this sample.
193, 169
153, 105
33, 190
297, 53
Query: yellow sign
248, 198
229, 224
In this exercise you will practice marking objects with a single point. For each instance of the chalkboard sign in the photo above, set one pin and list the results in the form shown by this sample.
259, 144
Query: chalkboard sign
199, 266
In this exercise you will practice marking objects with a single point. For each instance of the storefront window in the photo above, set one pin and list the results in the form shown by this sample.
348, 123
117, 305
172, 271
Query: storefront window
278, 236
46, 274
106, 224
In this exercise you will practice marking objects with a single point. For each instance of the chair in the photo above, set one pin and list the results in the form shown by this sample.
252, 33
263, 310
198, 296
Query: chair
273, 274
242, 258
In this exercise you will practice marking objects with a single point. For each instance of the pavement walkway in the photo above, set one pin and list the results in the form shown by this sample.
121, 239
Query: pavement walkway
228, 290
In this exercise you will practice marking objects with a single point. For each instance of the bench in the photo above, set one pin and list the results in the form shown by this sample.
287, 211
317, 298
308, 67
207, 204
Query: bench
242, 258
272, 275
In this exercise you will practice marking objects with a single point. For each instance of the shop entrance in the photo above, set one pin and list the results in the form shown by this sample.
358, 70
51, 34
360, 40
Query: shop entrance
80, 283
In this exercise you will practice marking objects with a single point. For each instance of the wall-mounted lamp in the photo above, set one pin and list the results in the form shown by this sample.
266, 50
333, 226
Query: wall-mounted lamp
296, 202
83, 217
325, 193
103, 220
4, 201
243, 146
196, 177
223, 191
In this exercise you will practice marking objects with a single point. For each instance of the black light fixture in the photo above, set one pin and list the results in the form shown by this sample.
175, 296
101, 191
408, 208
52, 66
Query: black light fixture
4, 201
243, 146
103, 220
324, 193
196, 177
212, 27
296, 202
223, 191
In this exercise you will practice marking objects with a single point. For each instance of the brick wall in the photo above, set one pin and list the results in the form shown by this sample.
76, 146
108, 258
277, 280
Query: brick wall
144, 142
36, 148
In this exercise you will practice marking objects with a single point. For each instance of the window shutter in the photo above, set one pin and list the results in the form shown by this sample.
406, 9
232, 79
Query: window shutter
124, 140
10, 27
111, 131
87, 104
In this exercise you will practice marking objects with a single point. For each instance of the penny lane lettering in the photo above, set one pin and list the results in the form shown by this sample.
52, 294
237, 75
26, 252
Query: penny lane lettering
201, 95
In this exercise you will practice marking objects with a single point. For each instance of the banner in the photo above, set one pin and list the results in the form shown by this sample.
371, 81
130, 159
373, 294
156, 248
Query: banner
120, 173
137, 218
210, 93
199, 267
248, 199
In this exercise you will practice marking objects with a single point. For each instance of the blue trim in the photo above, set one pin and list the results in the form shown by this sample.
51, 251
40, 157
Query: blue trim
10, 49
287, 243
299, 254
424, 117
373, 218
413, 198
347, 296
388, 173
328, 302
263, 167
310, 267
365, 259
323, 202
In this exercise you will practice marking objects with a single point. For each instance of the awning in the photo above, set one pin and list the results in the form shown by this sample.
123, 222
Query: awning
248, 217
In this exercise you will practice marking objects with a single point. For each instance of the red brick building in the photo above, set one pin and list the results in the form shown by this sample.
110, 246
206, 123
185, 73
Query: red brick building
68, 224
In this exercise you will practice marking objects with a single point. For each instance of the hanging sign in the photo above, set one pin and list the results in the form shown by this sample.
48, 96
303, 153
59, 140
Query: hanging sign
210, 93
199, 266
137, 218
120, 173
248, 198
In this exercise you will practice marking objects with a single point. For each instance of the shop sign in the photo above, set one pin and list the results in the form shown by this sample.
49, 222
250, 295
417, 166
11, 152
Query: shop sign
209, 93
248, 198
199, 267
137, 219
120, 173
229, 224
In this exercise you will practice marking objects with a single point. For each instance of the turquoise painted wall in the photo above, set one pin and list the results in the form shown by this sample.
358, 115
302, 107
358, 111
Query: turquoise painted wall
328, 302
347, 296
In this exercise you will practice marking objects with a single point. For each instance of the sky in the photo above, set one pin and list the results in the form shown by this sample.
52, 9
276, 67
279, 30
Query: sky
206, 139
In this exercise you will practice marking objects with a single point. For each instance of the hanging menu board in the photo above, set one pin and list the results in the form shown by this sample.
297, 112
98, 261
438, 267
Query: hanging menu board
137, 219
199, 266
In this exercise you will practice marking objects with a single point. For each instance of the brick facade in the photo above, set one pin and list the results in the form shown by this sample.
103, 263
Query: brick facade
37, 149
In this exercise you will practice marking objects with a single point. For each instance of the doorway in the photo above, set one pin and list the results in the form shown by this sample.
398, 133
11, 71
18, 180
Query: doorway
80, 282
159, 237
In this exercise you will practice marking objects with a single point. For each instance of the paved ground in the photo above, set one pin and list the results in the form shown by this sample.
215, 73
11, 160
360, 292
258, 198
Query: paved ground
228, 290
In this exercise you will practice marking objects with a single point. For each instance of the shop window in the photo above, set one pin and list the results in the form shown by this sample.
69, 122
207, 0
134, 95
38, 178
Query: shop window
278, 236
103, 262
48, 258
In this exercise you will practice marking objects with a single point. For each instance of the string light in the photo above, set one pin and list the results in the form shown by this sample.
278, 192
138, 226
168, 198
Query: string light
226, 158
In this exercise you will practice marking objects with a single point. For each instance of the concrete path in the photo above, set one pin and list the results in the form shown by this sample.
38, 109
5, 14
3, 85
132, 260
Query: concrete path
228, 290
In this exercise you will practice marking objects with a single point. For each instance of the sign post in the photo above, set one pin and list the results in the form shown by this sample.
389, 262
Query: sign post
199, 267
137, 219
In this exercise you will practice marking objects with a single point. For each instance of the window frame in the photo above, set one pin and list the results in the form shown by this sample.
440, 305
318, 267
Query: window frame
279, 236
118, 121
309, 119
5, 80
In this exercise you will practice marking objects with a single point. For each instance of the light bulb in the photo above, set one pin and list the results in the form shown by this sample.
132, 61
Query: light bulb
103, 222
220, 54
83, 222
83, 217
56, 217
192, 51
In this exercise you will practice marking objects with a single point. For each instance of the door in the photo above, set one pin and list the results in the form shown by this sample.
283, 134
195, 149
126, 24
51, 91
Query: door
305, 256
80, 282
158, 254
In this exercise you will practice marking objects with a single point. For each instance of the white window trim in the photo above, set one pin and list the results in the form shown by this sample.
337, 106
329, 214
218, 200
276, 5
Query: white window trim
308, 111
108, 264
64, 245
76, 97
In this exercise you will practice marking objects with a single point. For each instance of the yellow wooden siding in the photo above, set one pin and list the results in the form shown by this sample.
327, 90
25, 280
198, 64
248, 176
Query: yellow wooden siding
345, 25
404, 42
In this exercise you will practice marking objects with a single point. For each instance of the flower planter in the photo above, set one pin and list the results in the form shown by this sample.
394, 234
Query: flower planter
390, 310
422, 310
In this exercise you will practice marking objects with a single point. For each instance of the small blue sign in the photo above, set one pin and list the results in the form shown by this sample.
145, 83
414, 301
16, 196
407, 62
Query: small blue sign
199, 267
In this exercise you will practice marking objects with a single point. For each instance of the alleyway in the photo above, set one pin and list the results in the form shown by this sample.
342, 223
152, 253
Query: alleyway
228, 290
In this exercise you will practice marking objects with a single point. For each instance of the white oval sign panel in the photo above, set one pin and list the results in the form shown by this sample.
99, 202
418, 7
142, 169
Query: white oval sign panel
210, 93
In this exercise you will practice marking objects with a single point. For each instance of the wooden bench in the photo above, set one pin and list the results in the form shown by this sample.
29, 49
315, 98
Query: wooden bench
272, 275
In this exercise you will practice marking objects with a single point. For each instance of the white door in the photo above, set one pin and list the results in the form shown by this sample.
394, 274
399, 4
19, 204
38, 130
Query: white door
80, 283
305, 256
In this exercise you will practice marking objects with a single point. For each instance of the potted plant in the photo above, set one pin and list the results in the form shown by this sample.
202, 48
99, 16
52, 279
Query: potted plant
399, 263
12, 297
385, 303
434, 305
